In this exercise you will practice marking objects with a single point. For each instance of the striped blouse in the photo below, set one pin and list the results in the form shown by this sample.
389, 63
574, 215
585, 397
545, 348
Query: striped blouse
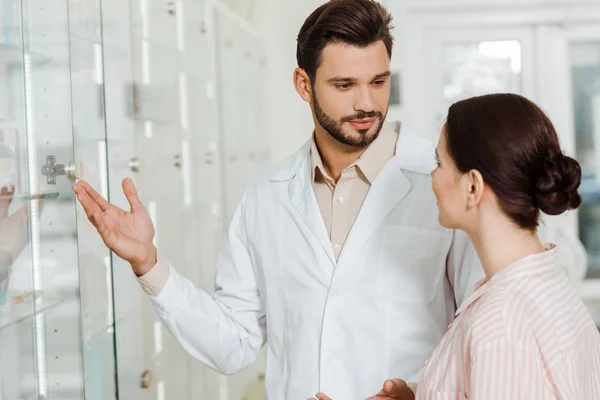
525, 334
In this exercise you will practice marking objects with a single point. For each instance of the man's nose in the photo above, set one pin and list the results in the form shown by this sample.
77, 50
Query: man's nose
363, 100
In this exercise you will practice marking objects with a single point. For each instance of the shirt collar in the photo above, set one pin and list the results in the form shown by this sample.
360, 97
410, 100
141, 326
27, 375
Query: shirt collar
316, 161
377, 155
482, 287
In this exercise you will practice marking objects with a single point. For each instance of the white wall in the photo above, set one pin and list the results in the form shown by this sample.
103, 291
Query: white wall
289, 119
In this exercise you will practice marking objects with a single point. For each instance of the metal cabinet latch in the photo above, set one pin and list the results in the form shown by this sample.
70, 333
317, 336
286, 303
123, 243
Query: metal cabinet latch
51, 170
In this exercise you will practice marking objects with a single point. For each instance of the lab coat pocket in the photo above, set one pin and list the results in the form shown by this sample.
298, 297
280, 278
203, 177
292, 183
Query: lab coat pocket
411, 263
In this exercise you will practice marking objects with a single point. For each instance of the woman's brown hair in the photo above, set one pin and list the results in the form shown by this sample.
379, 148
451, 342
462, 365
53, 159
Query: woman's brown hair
513, 144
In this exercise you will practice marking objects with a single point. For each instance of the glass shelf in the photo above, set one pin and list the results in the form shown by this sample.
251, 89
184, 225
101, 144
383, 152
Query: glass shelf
26, 197
11, 313
13, 55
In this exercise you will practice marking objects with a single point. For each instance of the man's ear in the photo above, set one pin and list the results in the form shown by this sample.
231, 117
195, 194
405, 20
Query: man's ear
303, 85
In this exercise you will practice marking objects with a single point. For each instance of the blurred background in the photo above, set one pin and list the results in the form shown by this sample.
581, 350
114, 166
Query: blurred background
192, 99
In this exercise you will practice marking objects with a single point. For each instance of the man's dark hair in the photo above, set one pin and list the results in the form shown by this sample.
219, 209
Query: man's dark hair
358, 23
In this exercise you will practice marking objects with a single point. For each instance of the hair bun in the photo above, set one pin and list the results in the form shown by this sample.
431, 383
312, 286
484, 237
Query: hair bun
556, 187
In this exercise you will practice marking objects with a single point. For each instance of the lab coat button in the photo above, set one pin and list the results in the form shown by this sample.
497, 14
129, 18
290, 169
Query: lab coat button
330, 358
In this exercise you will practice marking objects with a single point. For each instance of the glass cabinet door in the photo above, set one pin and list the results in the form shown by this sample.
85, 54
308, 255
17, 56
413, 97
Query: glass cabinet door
56, 336
18, 364
161, 115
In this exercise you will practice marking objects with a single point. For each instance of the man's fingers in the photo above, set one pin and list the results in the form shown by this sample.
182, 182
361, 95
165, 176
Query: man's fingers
321, 396
99, 222
132, 194
89, 206
92, 194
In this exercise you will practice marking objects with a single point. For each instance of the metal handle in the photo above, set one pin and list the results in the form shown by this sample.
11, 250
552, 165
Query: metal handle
74, 170
210, 157
134, 164
178, 160
171, 7
146, 379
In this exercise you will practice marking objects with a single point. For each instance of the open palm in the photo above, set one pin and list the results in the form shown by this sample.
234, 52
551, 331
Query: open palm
128, 233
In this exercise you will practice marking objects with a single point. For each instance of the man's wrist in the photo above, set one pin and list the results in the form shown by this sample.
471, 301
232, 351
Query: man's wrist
145, 266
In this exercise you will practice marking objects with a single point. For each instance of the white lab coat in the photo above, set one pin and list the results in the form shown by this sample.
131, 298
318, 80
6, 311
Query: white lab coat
341, 328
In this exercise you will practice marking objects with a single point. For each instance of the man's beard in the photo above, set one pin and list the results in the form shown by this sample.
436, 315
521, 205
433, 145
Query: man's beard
334, 128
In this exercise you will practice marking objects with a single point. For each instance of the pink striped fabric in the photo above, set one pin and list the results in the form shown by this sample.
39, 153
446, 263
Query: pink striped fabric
525, 334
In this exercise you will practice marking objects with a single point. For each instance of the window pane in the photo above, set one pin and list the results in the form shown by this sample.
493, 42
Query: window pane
476, 68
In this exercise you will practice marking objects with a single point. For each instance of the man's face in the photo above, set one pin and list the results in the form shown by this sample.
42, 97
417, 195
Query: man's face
351, 92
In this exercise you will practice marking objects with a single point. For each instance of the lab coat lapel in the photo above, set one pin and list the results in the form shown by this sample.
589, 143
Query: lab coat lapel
388, 190
304, 201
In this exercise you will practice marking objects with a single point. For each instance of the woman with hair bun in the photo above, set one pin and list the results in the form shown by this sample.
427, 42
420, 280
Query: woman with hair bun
524, 333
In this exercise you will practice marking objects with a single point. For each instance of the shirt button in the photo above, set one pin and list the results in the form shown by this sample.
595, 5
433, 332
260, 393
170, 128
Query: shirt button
426, 362
338, 247
340, 200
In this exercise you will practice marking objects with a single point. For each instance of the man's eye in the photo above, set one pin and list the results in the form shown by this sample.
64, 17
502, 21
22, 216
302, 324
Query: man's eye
379, 83
344, 86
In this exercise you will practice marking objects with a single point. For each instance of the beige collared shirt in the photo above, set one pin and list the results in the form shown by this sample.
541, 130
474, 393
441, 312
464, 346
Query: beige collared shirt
340, 202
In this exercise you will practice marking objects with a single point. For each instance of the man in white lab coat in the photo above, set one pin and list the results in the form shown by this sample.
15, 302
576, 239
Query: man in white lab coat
335, 258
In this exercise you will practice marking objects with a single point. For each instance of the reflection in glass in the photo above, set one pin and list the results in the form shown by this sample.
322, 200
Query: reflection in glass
14, 236
18, 373
585, 73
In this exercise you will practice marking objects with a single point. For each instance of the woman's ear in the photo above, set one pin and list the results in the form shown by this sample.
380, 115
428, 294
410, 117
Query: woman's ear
476, 185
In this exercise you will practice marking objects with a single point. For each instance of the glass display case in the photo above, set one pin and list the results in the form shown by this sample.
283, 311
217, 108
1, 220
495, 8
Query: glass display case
57, 331
102, 90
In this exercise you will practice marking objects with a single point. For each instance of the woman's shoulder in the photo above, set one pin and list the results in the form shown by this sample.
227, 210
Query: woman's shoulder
531, 310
